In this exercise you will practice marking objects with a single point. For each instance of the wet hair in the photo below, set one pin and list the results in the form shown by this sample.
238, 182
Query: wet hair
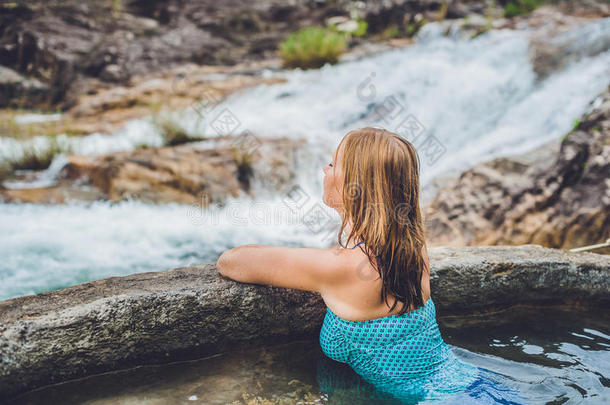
380, 196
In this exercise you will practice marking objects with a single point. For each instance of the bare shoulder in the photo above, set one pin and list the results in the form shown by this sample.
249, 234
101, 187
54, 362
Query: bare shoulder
311, 269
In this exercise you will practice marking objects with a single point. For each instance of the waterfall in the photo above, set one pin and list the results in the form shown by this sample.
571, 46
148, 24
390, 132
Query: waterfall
473, 99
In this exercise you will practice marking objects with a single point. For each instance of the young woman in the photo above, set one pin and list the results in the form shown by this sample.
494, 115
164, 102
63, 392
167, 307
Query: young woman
380, 317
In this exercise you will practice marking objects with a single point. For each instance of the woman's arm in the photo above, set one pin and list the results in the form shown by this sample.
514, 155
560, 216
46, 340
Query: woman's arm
299, 268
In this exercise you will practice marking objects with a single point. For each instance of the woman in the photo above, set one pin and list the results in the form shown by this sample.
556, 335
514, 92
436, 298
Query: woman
380, 317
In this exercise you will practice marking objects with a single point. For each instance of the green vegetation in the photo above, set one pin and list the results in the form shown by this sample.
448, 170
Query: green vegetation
576, 123
391, 31
244, 161
115, 5
362, 29
483, 29
515, 8
442, 12
312, 47
171, 132
574, 128
10, 129
5, 172
413, 27
38, 159
394, 31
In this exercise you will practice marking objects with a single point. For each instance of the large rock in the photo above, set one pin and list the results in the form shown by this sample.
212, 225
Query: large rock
558, 39
158, 317
198, 173
557, 196
188, 173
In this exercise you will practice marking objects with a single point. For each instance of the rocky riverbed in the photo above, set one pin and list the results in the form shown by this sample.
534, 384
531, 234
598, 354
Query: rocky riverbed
207, 171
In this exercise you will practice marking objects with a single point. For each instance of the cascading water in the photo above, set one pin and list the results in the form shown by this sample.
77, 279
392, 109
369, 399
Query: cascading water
473, 99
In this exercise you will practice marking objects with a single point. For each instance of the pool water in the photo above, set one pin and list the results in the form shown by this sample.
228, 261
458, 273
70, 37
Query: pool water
548, 355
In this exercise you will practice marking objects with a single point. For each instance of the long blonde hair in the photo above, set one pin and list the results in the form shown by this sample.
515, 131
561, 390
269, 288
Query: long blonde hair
381, 200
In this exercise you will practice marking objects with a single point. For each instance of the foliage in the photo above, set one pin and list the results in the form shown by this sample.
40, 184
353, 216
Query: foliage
312, 47
5, 172
576, 123
515, 8
362, 29
391, 31
172, 133
38, 159
412, 29
115, 6
442, 12
244, 161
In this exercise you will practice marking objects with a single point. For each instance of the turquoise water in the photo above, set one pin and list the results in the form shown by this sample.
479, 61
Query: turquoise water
547, 355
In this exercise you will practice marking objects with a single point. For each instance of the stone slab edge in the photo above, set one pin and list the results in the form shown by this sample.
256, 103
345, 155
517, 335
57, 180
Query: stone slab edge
191, 312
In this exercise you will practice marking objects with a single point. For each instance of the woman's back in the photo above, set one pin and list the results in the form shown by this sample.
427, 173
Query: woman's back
404, 355
358, 296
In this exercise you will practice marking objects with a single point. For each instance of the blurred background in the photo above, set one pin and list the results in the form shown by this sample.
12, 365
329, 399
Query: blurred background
148, 135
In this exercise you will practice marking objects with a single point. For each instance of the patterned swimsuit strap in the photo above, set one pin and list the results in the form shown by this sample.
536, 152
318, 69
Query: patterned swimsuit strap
359, 243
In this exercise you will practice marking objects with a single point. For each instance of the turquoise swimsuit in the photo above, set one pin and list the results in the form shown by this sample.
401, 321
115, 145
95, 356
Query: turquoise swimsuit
403, 356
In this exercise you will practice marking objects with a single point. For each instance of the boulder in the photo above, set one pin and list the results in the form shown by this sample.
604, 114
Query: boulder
557, 196
558, 39
212, 170
186, 313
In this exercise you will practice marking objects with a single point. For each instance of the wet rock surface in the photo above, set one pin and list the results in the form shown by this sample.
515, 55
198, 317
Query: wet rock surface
557, 38
556, 196
198, 173
158, 317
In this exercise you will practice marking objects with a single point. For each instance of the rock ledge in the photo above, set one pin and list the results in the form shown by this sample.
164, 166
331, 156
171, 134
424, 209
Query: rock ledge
158, 317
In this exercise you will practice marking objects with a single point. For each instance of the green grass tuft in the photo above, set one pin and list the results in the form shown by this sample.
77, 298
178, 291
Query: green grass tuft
391, 31
5, 172
244, 161
515, 8
362, 30
38, 159
172, 133
312, 48
116, 6
576, 123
